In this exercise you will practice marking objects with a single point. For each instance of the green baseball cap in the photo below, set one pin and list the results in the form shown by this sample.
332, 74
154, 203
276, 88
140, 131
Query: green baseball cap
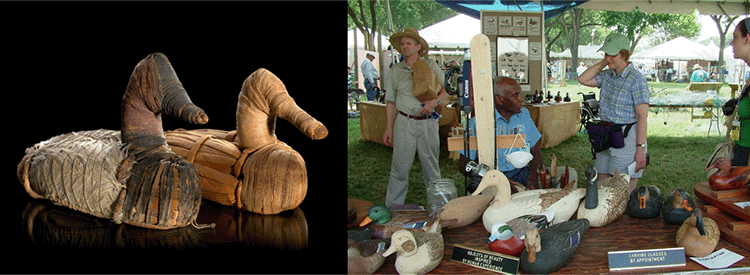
614, 43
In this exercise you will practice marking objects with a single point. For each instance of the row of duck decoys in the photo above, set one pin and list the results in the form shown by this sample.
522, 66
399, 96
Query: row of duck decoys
536, 223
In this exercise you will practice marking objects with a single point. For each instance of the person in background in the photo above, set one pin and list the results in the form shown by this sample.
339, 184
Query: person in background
371, 75
409, 129
741, 48
624, 101
699, 75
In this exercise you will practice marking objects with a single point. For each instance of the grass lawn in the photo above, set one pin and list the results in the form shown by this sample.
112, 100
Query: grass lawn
679, 151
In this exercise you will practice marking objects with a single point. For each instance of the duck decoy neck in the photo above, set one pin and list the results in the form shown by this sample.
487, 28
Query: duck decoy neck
262, 99
592, 195
154, 89
699, 222
643, 196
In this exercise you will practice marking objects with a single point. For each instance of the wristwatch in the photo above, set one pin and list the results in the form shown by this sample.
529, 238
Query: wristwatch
642, 145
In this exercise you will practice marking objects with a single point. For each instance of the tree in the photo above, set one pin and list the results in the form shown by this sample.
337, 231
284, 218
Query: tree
637, 24
361, 23
723, 28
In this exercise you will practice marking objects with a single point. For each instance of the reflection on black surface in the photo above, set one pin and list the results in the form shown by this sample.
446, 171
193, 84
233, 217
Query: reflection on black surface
48, 225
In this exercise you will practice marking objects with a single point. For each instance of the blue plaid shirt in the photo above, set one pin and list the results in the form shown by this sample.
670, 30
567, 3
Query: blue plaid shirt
620, 94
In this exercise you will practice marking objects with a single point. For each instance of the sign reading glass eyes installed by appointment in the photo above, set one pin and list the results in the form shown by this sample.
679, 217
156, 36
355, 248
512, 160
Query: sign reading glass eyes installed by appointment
517, 46
649, 258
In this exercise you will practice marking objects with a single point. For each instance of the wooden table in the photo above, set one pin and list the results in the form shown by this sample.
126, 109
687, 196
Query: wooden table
705, 86
626, 233
556, 121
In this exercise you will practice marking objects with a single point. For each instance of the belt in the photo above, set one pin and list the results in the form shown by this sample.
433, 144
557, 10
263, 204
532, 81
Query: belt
610, 123
412, 117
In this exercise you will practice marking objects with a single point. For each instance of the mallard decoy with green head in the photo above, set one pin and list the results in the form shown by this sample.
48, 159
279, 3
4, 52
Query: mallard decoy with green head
385, 223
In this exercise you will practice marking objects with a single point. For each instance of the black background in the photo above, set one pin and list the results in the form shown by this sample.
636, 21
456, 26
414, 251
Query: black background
66, 66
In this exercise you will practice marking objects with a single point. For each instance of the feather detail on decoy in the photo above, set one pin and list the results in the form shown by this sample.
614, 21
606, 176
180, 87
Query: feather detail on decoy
506, 207
417, 252
678, 207
509, 238
606, 200
727, 177
645, 202
553, 247
698, 235
365, 257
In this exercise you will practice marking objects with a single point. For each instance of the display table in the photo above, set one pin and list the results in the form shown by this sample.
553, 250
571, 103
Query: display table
372, 120
626, 233
556, 121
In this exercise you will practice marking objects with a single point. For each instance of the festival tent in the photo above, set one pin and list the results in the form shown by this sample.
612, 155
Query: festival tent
711, 7
451, 34
473, 8
584, 52
679, 48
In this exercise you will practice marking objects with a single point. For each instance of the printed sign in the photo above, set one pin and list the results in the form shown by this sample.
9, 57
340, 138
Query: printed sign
486, 260
649, 258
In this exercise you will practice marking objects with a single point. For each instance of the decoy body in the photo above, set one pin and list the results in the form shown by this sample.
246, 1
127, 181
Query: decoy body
417, 252
677, 208
509, 238
553, 247
728, 177
464, 210
365, 257
506, 207
385, 223
645, 202
129, 176
606, 200
698, 235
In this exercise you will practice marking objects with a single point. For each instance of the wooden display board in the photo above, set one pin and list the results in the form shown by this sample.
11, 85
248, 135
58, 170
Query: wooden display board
517, 45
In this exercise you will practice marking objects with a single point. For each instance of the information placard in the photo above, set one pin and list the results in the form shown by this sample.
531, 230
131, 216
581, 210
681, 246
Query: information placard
649, 258
486, 260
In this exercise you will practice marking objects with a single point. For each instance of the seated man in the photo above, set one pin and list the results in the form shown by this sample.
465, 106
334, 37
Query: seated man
512, 118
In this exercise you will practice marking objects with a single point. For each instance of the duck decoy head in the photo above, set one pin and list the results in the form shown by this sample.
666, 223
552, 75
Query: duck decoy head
402, 240
643, 196
500, 231
681, 199
591, 173
533, 244
721, 163
154, 89
378, 214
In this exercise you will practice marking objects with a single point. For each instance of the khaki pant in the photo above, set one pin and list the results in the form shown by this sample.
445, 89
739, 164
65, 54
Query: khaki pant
412, 136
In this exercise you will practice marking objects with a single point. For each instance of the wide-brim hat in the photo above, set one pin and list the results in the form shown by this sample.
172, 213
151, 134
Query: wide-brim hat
697, 66
409, 32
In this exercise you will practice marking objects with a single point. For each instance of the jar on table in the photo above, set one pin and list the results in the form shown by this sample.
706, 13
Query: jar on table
439, 192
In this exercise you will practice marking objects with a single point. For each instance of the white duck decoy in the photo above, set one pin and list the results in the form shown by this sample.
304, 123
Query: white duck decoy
506, 207
606, 200
418, 252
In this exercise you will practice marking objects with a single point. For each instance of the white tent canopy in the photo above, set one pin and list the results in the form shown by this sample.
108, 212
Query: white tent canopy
679, 48
453, 33
715, 7
586, 52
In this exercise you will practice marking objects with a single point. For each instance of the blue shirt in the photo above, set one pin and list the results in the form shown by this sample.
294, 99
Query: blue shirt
620, 94
520, 121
